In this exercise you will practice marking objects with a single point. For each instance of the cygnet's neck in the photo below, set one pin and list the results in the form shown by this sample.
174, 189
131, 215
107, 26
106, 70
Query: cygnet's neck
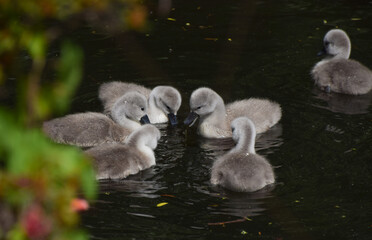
155, 114
345, 54
246, 142
141, 141
122, 120
217, 118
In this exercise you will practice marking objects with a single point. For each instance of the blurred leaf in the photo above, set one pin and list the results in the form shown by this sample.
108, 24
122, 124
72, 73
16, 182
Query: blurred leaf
37, 45
89, 187
69, 75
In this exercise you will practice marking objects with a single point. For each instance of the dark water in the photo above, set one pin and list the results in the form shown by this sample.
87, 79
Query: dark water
321, 148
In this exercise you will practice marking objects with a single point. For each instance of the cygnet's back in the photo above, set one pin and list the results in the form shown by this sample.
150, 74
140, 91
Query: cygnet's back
116, 161
262, 112
91, 129
241, 169
110, 92
338, 73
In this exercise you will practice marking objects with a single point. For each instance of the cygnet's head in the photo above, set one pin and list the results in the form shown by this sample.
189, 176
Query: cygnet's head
168, 99
203, 101
242, 126
131, 105
147, 135
336, 43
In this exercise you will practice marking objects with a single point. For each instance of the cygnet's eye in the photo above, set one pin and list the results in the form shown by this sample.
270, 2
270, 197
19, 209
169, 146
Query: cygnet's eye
198, 107
232, 129
142, 109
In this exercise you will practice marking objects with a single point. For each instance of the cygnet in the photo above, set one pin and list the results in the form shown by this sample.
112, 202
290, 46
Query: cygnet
163, 101
215, 117
117, 161
91, 128
241, 169
337, 73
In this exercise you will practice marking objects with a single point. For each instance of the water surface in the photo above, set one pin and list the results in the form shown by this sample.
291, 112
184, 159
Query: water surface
321, 148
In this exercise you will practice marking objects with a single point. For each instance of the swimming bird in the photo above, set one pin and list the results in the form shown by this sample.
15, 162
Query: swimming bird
215, 117
337, 73
163, 101
241, 169
91, 128
117, 160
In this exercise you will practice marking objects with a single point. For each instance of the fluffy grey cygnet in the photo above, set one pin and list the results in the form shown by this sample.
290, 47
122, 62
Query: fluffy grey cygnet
215, 117
163, 101
338, 73
91, 128
241, 169
116, 160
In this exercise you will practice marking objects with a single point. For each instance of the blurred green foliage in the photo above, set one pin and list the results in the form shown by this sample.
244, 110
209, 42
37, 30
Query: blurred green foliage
39, 179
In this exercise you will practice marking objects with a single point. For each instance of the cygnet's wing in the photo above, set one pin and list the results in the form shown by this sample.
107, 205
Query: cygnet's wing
348, 76
110, 92
84, 130
263, 113
116, 161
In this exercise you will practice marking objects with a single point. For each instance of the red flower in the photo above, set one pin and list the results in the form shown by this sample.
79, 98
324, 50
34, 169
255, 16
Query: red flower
78, 204
36, 223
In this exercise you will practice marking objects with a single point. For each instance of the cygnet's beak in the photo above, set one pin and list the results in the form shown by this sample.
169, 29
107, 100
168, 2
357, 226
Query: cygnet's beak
322, 52
327, 89
191, 119
145, 120
172, 119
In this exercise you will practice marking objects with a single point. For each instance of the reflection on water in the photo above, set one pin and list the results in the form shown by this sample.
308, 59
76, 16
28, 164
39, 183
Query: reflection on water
134, 188
341, 103
267, 142
242, 204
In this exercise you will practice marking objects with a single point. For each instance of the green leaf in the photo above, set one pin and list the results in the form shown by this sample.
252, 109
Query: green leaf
69, 75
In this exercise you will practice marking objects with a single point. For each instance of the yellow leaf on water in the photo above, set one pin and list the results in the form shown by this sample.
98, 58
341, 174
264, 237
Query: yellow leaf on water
171, 19
325, 21
356, 19
243, 232
161, 204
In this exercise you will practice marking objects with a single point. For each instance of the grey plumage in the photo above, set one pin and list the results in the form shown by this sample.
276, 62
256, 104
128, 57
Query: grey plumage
116, 160
110, 92
215, 117
241, 169
91, 129
162, 100
338, 73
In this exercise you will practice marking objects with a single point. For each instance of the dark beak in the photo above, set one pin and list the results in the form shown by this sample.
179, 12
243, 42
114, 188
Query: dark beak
172, 119
322, 52
327, 89
144, 120
191, 119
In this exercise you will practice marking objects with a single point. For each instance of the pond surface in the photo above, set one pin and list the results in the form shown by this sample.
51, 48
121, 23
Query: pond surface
321, 149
